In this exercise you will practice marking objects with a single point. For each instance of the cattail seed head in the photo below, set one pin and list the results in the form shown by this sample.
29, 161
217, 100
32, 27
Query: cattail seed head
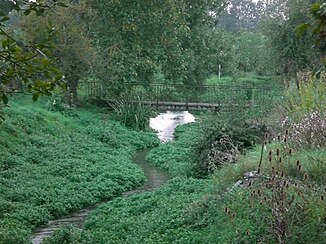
270, 159
248, 232
299, 167
226, 210
298, 162
278, 152
280, 159
279, 138
305, 176
282, 173
290, 151
322, 197
285, 139
286, 132
270, 153
266, 135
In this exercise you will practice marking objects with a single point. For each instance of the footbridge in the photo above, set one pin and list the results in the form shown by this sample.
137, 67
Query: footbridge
167, 96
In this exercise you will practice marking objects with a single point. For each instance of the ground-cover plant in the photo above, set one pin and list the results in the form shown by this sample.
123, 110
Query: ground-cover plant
177, 156
51, 164
156, 217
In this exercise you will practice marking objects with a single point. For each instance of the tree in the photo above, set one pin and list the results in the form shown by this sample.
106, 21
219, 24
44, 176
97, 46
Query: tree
73, 49
317, 25
142, 40
24, 63
292, 53
242, 15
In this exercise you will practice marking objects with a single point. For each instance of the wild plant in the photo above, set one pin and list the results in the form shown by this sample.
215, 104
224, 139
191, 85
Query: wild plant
309, 97
296, 206
132, 114
310, 132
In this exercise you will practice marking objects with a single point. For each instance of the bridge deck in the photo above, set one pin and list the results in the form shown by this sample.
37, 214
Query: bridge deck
158, 105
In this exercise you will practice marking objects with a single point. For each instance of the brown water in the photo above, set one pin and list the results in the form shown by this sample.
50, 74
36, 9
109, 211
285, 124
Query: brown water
164, 124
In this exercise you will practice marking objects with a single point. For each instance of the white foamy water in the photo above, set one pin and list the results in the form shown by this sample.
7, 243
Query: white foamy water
165, 123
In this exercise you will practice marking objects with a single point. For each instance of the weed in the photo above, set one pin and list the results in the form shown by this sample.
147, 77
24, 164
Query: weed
133, 114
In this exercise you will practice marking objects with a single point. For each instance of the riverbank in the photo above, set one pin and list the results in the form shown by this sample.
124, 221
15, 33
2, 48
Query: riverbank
53, 164
215, 209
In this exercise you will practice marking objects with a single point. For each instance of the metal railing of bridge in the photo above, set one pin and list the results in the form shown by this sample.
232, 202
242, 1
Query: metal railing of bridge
221, 94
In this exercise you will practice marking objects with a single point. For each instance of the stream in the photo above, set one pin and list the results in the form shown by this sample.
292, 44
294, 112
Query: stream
164, 124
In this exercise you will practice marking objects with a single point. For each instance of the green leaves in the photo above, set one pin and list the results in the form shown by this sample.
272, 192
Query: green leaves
24, 64
151, 38
300, 29
4, 99
35, 96
6, 7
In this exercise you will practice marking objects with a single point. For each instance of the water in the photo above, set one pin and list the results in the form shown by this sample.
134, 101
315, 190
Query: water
164, 124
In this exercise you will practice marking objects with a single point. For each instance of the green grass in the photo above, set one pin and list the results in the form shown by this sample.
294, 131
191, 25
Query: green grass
244, 79
51, 164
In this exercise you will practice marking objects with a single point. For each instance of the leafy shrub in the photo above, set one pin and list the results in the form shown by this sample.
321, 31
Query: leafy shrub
310, 97
222, 140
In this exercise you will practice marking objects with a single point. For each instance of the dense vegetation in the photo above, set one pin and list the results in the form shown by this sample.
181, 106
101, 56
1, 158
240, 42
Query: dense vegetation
52, 164
243, 176
214, 210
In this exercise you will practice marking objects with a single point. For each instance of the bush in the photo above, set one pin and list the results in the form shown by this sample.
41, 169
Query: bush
310, 97
222, 140
310, 132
